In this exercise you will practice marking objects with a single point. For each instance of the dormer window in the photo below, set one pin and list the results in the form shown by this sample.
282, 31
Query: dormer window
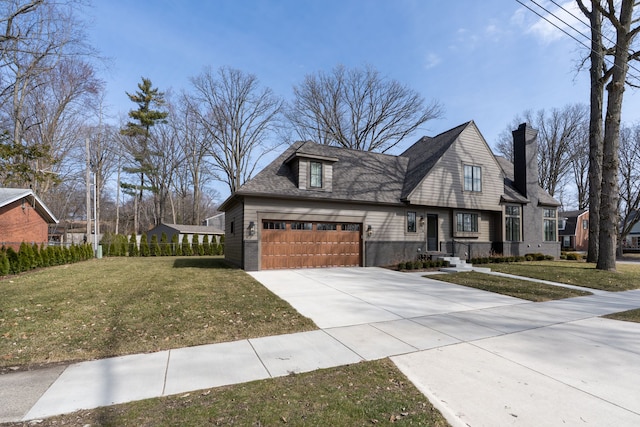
315, 170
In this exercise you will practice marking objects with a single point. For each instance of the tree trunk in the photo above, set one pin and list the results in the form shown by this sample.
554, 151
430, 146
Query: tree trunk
595, 133
611, 143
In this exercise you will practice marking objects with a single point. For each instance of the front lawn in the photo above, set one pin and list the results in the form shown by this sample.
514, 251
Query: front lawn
576, 273
117, 306
523, 289
367, 393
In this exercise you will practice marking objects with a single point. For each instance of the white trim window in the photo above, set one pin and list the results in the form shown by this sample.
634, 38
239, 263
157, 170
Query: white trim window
472, 178
315, 174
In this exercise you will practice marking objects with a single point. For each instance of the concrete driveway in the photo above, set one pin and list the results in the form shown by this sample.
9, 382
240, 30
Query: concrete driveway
483, 359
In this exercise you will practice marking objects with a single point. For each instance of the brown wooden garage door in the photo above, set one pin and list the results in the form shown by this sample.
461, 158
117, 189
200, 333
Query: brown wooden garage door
292, 244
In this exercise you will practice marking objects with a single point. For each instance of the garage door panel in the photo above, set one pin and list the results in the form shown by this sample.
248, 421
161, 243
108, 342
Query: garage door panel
324, 245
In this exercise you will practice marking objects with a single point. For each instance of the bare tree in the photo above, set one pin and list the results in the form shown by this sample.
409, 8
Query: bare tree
358, 109
560, 131
37, 36
598, 75
580, 170
620, 19
629, 179
195, 149
238, 117
60, 108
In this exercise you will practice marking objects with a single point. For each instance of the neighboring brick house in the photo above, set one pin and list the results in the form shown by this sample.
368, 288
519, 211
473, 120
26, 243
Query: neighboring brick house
23, 218
320, 206
573, 230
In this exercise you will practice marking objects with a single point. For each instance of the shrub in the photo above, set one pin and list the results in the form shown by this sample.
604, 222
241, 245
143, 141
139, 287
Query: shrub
195, 244
165, 249
154, 249
144, 245
176, 249
408, 265
186, 247
133, 245
417, 265
221, 246
572, 256
549, 257
4, 264
206, 247
401, 266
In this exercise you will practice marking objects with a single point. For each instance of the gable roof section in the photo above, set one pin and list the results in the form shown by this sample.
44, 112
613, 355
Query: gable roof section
359, 176
511, 195
10, 195
424, 154
362, 176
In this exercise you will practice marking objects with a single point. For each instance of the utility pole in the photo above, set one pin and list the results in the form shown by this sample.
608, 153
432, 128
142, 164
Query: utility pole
88, 186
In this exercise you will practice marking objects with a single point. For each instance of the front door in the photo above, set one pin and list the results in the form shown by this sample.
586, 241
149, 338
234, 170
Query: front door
432, 232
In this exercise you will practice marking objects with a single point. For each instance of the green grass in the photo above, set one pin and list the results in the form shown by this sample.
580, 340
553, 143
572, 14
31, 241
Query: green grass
367, 393
625, 278
523, 289
118, 306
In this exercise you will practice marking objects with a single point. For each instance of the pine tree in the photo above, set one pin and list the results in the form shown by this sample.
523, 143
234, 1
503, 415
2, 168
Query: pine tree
138, 131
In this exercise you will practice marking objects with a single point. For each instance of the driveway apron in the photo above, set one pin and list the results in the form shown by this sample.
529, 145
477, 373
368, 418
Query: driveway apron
483, 359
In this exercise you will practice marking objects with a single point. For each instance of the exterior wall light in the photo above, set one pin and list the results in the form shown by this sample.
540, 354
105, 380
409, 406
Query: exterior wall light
252, 228
369, 231
421, 220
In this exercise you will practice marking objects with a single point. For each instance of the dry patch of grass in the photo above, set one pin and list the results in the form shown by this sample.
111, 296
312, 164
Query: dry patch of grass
523, 289
367, 393
628, 316
577, 273
117, 306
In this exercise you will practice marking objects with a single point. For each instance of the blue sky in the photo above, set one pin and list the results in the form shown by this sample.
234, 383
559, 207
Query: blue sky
485, 61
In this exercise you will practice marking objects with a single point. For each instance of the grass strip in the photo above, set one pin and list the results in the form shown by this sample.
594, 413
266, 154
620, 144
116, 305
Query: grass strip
367, 393
523, 289
576, 273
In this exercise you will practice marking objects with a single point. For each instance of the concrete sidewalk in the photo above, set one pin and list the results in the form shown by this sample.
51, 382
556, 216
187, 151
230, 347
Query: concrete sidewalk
483, 359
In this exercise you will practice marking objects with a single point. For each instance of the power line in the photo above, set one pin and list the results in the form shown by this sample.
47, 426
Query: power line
604, 57
588, 25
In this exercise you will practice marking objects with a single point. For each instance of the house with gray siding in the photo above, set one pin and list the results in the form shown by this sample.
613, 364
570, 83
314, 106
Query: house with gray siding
322, 206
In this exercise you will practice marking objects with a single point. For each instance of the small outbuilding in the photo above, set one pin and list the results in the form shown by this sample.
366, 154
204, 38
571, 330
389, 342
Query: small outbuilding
214, 234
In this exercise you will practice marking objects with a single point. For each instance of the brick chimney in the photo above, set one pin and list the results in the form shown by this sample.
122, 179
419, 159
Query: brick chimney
525, 160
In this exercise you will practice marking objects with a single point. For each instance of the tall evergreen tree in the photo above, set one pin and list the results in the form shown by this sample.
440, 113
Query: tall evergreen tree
149, 101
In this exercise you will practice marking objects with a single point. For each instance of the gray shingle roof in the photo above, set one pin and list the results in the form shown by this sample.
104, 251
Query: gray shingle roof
424, 155
361, 176
193, 229
357, 175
